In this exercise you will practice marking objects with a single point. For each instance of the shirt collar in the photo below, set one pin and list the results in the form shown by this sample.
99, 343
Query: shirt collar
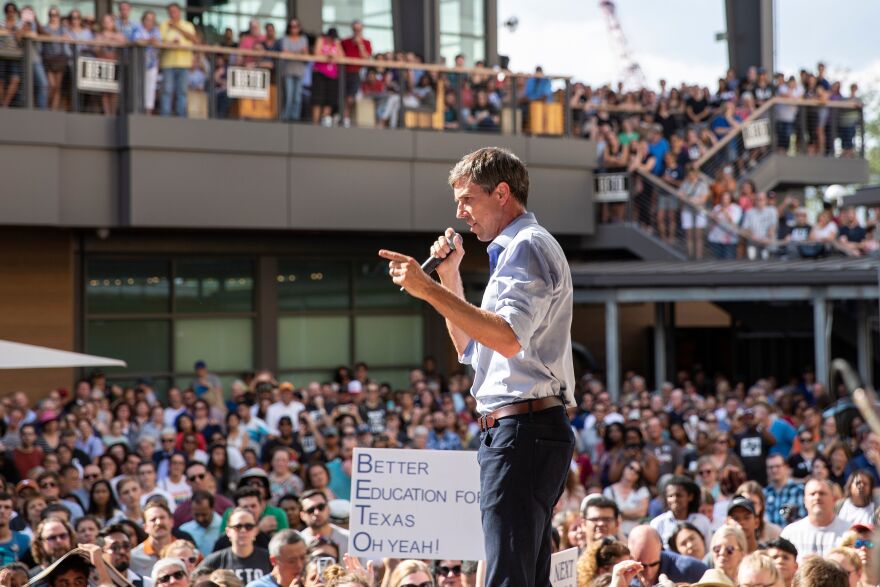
511, 230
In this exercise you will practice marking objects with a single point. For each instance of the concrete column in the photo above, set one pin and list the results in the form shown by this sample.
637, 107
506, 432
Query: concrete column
266, 326
821, 338
612, 350
660, 358
864, 346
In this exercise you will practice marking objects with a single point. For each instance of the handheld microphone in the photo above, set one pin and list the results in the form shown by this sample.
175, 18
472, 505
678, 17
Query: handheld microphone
432, 262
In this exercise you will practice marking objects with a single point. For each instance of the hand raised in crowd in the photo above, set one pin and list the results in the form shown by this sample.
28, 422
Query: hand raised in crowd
624, 572
268, 524
353, 565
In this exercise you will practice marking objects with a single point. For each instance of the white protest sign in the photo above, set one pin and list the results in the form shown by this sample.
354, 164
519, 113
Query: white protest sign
422, 504
563, 568
612, 187
97, 75
757, 134
248, 82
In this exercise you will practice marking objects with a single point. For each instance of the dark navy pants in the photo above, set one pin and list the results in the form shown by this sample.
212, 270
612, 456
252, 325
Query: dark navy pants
524, 462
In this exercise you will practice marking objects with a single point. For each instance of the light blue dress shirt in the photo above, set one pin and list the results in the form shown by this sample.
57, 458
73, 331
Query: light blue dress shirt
531, 290
205, 537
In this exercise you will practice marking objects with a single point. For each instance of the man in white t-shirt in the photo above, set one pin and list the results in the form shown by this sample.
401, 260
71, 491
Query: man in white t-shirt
146, 476
821, 530
285, 406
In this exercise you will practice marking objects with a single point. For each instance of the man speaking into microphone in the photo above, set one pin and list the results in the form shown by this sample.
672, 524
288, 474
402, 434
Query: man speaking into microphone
519, 343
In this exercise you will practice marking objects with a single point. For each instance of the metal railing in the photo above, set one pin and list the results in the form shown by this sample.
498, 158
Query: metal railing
644, 201
788, 127
275, 85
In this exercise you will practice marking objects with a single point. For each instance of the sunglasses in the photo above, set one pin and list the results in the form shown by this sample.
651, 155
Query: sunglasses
706, 472
167, 440
862, 543
176, 576
92, 476
806, 439
317, 508
456, 570
243, 527
55, 538
728, 550
197, 477
48, 484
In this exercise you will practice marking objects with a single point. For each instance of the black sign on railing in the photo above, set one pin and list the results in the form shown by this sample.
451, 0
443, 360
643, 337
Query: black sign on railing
612, 187
97, 75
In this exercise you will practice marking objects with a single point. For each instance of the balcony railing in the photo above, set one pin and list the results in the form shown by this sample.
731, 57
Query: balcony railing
788, 127
648, 203
223, 83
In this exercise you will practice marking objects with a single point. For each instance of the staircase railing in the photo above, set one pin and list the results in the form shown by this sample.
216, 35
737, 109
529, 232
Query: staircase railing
647, 202
788, 127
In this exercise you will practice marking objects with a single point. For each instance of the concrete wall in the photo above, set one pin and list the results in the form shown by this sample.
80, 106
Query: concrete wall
79, 170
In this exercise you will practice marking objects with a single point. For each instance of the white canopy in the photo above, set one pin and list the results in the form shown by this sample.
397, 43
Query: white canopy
17, 355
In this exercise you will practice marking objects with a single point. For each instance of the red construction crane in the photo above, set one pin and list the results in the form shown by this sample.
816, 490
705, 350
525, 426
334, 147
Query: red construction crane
632, 76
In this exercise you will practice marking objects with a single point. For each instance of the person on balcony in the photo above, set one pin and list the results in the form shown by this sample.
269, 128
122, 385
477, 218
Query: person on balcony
722, 238
175, 63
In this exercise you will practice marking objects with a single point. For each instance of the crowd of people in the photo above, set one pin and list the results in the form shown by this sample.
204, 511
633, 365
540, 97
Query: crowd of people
251, 485
670, 133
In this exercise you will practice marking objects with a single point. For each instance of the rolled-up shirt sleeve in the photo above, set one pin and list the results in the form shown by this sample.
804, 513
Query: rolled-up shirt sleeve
524, 285
467, 357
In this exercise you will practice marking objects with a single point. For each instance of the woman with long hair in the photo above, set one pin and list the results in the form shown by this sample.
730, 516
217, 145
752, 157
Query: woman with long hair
236, 436
707, 476
599, 558
281, 478
103, 504
612, 446
686, 539
87, 529
218, 465
202, 420
858, 495
728, 549
185, 425
631, 496
32, 510
839, 455
767, 531
318, 477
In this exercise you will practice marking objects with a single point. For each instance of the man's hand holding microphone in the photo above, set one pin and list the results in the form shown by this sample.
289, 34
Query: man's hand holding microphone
446, 255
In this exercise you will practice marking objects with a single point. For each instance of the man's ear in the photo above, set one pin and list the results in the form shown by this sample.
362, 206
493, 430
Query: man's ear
502, 191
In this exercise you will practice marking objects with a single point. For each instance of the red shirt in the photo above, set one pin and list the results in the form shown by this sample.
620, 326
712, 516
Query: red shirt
25, 461
351, 49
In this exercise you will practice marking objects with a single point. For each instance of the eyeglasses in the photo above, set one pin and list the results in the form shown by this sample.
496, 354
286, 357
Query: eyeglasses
444, 571
48, 484
316, 508
197, 477
425, 584
119, 547
92, 476
175, 576
728, 550
706, 472
243, 527
601, 520
862, 543
55, 538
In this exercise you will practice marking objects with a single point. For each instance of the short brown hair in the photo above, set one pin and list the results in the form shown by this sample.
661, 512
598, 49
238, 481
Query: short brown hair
818, 572
489, 166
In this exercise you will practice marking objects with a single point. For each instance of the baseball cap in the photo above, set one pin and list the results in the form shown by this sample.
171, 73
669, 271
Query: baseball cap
740, 501
200, 364
862, 528
783, 545
286, 386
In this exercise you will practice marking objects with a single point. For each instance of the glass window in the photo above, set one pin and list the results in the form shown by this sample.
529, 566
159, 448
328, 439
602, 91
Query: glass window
220, 285
463, 30
225, 344
374, 289
374, 14
398, 378
127, 287
312, 285
389, 340
309, 342
143, 344
303, 378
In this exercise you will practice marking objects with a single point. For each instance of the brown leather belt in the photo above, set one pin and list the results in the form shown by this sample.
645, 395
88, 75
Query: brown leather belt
524, 407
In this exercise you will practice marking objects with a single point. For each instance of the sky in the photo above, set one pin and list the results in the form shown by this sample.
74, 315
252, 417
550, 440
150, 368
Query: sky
675, 39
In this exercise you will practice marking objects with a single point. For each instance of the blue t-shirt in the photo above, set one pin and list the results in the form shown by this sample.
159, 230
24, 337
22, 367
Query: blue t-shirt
14, 549
784, 433
720, 122
681, 569
658, 152
340, 483
266, 580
